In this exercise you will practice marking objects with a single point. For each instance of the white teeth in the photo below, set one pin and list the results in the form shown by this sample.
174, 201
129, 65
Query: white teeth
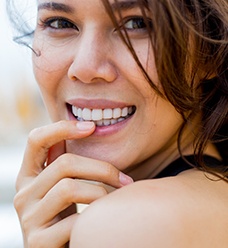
75, 111
107, 122
99, 123
120, 119
79, 113
113, 121
97, 114
116, 113
107, 113
130, 110
124, 112
87, 114
102, 117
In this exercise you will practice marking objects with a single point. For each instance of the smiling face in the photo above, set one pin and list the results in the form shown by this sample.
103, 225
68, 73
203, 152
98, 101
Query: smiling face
85, 72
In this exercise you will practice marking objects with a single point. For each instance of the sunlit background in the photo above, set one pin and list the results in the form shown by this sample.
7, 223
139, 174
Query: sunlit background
21, 110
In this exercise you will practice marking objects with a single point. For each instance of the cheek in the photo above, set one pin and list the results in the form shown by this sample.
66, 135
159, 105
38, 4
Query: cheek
147, 59
46, 79
50, 58
49, 82
50, 64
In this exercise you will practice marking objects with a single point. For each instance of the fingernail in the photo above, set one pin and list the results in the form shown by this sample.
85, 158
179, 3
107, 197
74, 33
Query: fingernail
124, 179
85, 125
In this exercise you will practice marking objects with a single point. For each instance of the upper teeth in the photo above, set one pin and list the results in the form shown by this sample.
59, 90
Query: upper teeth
102, 116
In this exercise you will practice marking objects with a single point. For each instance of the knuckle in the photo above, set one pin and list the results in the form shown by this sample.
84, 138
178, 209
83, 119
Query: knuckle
34, 137
64, 158
18, 201
64, 163
66, 189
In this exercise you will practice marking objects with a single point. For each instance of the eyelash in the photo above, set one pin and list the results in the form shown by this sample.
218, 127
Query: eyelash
138, 24
65, 23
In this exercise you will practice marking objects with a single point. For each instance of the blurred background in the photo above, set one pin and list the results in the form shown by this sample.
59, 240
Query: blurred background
21, 110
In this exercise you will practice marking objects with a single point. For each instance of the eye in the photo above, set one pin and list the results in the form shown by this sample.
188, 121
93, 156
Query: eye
59, 23
137, 23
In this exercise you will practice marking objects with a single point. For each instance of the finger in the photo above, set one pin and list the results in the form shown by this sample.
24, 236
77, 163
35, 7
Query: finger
74, 166
58, 234
60, 197
42, 139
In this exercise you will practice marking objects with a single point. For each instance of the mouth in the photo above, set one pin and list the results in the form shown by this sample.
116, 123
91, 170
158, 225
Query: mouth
103, 117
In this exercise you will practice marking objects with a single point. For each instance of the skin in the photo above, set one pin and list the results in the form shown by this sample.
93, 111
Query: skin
183, 211
103, 82
73, 69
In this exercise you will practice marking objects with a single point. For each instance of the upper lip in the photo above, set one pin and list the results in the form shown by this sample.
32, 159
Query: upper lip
97, 103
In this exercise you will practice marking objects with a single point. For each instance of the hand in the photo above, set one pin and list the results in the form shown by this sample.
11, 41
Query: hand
47, 186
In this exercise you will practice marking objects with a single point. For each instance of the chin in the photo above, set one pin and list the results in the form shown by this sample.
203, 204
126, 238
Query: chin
105, 153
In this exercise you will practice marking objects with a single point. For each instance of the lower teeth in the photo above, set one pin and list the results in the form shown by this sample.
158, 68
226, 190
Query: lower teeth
106, 122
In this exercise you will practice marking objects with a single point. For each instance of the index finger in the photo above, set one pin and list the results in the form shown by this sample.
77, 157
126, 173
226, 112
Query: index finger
42, 139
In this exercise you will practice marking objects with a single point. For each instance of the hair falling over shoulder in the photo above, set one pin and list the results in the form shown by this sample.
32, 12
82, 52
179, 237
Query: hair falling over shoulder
189, 39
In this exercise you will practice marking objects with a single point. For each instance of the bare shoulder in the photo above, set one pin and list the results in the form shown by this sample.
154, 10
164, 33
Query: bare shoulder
184, 211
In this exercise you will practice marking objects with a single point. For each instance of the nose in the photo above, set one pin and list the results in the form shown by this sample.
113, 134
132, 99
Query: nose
91, 60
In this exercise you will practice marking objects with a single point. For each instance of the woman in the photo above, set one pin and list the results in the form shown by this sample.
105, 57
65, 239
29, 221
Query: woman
137, 92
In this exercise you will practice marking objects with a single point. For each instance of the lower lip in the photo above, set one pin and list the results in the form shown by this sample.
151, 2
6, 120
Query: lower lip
111, 129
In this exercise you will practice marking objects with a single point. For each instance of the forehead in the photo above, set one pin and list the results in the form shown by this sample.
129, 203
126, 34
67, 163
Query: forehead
122, 4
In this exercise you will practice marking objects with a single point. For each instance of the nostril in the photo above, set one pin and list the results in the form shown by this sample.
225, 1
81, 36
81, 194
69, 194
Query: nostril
73, 78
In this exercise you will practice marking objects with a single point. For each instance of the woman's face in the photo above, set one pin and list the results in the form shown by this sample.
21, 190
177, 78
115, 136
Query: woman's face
85, 72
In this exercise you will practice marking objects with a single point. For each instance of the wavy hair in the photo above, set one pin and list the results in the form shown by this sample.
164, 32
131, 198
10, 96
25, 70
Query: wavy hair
189, 39
190, 43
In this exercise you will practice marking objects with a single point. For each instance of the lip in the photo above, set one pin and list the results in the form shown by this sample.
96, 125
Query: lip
100, 104
112, 129
97, 103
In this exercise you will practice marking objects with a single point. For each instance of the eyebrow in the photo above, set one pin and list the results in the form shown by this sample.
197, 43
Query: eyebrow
124, 5
56, 7
117, 5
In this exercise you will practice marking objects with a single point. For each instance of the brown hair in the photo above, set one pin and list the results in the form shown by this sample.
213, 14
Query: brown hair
190, 42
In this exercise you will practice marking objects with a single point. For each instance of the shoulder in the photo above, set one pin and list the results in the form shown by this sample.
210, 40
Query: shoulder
183, 211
